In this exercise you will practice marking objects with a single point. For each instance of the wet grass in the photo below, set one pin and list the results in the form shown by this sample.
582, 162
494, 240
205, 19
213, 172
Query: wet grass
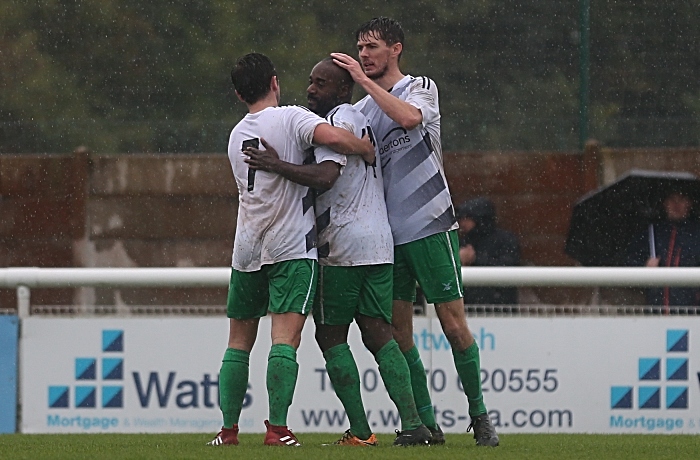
186, 446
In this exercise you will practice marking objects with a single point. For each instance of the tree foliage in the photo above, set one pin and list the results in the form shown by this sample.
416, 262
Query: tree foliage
135, 76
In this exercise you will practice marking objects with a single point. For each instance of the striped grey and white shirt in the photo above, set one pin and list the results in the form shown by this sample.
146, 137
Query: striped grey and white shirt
417, 197
351, 217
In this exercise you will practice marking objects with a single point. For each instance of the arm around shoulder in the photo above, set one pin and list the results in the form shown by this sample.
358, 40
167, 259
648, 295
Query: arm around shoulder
320, 176
343, 141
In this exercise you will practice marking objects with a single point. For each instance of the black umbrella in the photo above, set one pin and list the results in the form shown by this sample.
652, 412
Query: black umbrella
603, 222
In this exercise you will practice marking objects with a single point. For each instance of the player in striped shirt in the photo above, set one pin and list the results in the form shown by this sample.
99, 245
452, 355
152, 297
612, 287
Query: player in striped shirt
405, 116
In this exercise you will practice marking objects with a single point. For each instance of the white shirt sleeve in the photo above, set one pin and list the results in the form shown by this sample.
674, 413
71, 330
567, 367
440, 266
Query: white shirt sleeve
347, 118
423, 95
323, 153
304, 122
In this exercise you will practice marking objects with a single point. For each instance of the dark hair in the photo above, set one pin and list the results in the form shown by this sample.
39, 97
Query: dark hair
251, 76
346, 78
383, 28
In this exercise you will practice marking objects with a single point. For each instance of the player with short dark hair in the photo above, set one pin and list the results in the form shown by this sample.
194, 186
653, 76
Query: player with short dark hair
405, 116
274, 265
251, 75
383, 28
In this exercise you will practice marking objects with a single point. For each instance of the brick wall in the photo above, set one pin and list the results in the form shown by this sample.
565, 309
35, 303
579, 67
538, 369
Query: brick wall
88, 210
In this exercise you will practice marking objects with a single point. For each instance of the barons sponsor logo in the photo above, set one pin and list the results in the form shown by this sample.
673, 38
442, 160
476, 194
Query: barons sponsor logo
655, 388
103, 373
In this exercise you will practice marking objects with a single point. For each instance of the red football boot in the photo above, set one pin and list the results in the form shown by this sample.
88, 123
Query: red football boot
226, 437
280, 436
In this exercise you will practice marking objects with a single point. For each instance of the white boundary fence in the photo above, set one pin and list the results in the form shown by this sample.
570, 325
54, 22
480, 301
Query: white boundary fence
640, 372
25, 278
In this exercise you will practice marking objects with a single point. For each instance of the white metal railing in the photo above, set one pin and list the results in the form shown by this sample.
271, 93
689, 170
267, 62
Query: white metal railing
34, 277
25, 278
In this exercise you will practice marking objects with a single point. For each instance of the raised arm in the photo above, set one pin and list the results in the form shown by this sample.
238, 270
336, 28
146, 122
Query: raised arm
403, 113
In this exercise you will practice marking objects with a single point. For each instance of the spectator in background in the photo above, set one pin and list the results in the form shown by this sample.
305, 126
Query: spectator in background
483, 244
676, 242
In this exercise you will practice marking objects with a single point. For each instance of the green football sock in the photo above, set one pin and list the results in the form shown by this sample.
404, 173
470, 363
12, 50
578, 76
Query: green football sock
233, 384
419, 384
342, 370
469, 371
282, 369
397, 380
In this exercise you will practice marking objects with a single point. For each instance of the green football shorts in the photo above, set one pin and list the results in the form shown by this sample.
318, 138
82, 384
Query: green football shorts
284, 287
345, 292
433, 261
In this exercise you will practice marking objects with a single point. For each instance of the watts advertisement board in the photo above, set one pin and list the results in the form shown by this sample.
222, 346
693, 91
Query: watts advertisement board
539, 375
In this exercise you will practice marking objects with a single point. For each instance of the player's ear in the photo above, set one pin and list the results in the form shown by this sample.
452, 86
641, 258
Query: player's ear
240, 98
396, 49
274, 84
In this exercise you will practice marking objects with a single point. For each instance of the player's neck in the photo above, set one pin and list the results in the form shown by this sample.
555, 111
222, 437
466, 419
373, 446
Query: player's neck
390, 78
268, 101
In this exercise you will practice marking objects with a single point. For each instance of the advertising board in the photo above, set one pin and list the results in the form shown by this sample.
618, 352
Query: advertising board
539, 375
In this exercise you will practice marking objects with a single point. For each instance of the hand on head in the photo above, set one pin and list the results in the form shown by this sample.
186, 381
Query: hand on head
350, 64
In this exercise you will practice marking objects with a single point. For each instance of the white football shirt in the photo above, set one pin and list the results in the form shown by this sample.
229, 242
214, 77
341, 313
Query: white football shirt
275, 216
351, 219
417, 197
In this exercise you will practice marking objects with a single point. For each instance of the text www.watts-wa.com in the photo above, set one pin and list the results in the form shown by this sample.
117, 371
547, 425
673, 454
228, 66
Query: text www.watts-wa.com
519, 418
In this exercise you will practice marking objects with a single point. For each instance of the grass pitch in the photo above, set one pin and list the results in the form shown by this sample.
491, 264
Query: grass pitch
192, 446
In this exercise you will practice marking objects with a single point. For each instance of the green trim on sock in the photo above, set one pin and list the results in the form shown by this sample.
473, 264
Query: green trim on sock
396, 376
468, 367
343, 373
388, 350
419, 384
282, 370
233, 384
282, 350
235, 355
336, 351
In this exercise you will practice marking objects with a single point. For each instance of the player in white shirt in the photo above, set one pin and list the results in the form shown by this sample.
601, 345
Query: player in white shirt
274, 268
356, 254
405, 116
